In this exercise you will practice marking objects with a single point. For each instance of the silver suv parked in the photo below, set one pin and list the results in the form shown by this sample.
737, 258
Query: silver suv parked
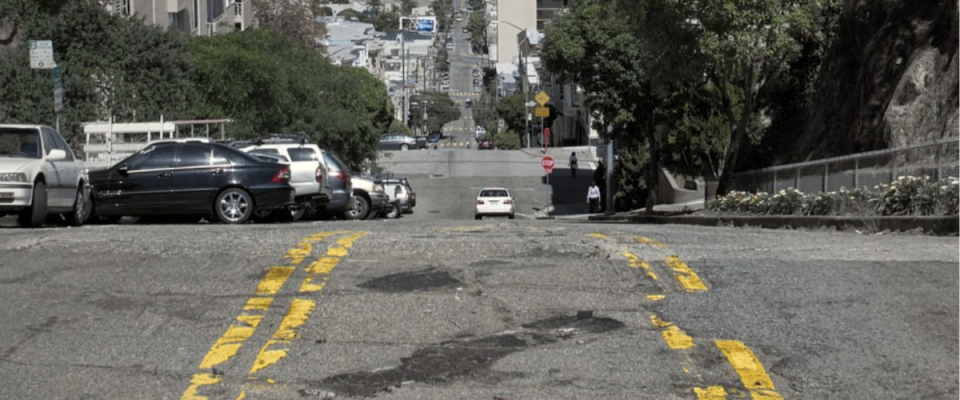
307, 176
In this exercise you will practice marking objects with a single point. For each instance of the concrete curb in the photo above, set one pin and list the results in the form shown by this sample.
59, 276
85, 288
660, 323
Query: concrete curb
941, 226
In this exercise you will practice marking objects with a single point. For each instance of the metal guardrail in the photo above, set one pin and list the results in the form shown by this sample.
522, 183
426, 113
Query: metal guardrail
938, 160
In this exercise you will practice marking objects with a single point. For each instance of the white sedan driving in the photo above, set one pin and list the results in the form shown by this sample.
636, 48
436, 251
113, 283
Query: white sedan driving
495, 201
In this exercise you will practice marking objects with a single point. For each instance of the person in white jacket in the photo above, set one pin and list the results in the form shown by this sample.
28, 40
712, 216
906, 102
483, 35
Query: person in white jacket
593, 197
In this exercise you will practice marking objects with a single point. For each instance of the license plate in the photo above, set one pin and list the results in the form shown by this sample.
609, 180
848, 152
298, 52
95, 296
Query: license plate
494, 202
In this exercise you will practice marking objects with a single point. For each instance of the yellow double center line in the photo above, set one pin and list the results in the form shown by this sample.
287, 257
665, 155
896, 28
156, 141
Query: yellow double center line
229, 344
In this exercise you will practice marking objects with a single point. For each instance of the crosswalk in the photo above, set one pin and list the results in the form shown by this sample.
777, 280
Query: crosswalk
444, 144
463, 94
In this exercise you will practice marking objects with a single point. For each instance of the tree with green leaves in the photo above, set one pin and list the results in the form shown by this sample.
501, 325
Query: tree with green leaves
595, 47
407, 6
726, 53
439, 107
293, 19
110, 65
388, 22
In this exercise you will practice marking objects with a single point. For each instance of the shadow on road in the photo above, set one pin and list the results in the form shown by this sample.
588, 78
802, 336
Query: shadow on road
569, 193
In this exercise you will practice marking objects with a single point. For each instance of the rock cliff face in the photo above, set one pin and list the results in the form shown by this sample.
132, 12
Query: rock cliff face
891, 79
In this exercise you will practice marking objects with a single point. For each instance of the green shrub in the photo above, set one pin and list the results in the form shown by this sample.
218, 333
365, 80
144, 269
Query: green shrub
906, 196
506, 140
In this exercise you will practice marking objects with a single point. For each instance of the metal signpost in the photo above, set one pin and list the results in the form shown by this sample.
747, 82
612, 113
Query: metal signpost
542, 98
41, 57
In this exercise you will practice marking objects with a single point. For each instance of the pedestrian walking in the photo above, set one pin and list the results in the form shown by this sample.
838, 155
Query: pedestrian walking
573, 164
593, 197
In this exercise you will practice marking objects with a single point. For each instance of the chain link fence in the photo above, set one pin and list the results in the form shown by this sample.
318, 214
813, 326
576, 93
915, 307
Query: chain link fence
938, 160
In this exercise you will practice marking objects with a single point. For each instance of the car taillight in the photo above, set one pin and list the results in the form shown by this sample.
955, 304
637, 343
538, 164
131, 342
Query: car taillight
479, 201
319, 174
340, 175
282, 176
508, 202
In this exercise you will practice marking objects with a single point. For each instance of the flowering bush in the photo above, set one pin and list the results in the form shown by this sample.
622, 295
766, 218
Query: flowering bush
907, 195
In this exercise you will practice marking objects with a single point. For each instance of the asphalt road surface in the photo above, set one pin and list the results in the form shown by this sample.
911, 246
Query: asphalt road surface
492, 309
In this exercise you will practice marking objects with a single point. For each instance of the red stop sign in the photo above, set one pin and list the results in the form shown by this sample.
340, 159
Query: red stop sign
547, 163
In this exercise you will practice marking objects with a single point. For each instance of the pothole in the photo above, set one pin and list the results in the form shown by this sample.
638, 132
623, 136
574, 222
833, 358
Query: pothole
428, 279
469, 358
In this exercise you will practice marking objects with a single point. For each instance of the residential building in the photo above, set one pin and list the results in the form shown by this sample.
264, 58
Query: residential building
196, 17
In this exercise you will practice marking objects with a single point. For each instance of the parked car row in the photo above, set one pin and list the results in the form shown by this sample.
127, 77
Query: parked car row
40, 179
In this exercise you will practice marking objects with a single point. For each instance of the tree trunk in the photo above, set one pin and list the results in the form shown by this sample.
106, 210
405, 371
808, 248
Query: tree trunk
652, 177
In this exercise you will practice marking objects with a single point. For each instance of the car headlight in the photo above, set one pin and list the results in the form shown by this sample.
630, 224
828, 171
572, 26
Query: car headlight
13, 177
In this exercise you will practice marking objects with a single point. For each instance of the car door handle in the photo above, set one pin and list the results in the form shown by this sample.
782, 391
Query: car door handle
217, 171
165, 175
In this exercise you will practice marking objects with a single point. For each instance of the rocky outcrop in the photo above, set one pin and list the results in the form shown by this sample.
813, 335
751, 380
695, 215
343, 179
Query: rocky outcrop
889, 80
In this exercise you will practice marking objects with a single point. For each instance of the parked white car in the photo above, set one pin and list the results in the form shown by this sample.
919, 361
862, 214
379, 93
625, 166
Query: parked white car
495, 201
39, 175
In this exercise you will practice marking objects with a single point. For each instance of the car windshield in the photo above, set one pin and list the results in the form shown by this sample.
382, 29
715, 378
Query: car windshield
493, 193
19, 143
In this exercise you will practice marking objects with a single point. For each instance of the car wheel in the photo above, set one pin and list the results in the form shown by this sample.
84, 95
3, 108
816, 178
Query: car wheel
34, 215
404, 146
394, 211
292, 214
233, 206
81, 209
360, 210
478, 216
510, 216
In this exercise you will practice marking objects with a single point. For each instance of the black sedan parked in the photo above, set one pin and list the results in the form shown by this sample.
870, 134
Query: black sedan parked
200, 179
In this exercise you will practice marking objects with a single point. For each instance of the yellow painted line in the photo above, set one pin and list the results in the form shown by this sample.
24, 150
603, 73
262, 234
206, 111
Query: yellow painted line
242, 395
258, 303
687, 278
675, 337
711, 393
274, 280
196, 382
318, 271
644, 240
297, 315
751, 371
636, 262
305, 247
229, 344
656, 297
598, 236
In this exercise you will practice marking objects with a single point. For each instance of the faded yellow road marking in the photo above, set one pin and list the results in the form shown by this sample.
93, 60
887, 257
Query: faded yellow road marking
319, 271
711, 393
654, 243
297, 315
196, 382
676, 338
229, 344
598, 236
656, 297
636, 262
687, 278
274, 280
751, 371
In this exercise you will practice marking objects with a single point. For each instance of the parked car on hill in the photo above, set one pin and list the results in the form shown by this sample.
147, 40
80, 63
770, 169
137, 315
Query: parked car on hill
307, 176
402, 197
39, 176
370, 200
200, 179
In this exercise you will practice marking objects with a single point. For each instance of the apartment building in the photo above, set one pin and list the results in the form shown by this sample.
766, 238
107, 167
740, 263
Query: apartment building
196, 17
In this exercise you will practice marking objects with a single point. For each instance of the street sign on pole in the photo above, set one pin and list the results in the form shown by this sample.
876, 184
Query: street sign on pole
57, 90
547, 164
41, 54
541, 111
542, 98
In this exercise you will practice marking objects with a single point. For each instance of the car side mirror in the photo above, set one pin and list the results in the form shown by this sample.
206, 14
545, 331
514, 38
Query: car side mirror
57, 155
123, 170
